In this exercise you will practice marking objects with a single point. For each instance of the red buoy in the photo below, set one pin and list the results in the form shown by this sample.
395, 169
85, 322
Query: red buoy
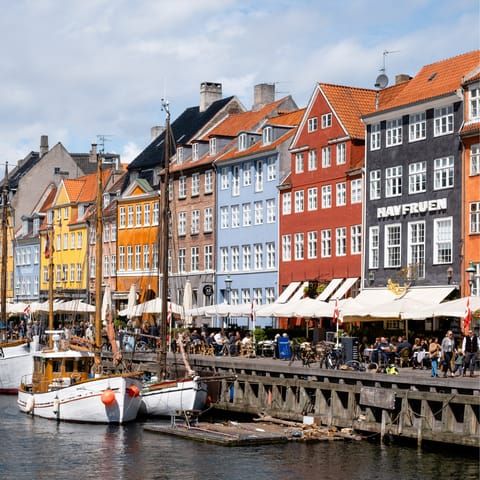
133, 391
108, 397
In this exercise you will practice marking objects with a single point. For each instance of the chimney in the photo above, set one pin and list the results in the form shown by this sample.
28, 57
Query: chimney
156, 131
209, 92
401, 78
43, 145
93, 154
263, 94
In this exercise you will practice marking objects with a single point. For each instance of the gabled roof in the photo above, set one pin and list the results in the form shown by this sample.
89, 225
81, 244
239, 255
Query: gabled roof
183, 129
349, 104
433, 81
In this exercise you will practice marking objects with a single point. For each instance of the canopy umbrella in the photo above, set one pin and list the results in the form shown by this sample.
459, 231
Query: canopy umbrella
222, 310
132, 300
106, 303
74, 306
453, 308
187, 302
153, 306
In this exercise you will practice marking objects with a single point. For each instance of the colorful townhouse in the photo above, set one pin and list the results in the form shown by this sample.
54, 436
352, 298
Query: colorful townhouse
321, 200
416, 183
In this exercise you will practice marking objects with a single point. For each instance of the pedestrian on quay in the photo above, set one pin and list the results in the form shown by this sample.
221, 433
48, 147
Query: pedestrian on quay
448, 347
470, 349
434, 353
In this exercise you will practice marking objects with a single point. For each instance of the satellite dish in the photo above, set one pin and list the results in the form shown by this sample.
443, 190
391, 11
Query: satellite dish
381, 81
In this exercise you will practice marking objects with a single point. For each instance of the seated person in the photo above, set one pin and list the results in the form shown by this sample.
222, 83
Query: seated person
401, 344
384, 350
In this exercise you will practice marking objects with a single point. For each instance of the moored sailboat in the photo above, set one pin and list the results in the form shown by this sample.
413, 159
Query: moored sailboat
164, 396
68, 382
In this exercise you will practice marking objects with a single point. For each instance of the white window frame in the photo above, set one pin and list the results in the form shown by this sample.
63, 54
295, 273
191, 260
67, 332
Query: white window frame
393, 181
442, 240
247, 214
417, 177
312, 124
312, 160
286, 248
208, 181
355, 239
374, 247
195, 184
416, 248
299, 162
326, 243
299, 201
394, 132
326, 157
341, 241
341, 153
326, 196
182, 187
443, 121
474, 217
312, 196
393, 245
182, 223
475, 159
375, 137
443, 172
341, 194
286, 203
299, 246
326, 120
417, 127
312, 244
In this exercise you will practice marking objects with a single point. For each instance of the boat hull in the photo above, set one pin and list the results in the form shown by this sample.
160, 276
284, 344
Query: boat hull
87, 401
15, 362
168, 397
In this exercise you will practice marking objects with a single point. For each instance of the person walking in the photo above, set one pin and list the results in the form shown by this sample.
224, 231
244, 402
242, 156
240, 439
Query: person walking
470, 349
434, 353
448, 347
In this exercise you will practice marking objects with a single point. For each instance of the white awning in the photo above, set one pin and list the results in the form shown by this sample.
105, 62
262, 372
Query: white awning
345, 287
287, 293
299, 293
331, 287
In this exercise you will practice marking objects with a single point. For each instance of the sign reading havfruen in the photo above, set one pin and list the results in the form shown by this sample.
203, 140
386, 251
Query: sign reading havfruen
412, 208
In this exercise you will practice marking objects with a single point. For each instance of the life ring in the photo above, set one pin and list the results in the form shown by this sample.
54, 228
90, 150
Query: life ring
30, 404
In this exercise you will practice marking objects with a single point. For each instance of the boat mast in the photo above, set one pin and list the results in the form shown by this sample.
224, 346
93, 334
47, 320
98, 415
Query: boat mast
98, 255
163, 258
3, 298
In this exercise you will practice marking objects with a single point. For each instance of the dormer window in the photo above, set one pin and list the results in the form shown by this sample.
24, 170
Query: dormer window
195, 151
212, 146
180, 155
242, 142
327, 120
474, 111
36, 225
267, 135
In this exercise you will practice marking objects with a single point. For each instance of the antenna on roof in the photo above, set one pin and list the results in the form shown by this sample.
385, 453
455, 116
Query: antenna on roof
101, 141
382, 79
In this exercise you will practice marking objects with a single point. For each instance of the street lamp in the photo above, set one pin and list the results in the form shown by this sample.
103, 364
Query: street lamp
471, 273
228, 287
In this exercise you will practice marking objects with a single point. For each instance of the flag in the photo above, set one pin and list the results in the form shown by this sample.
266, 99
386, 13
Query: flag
169, 313
48, 248
336, 314
26, 311
467, 317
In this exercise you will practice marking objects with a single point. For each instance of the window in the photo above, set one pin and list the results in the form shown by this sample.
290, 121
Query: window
298, 162
65, 241
299, 201
271, 170
195, 184
474, 104
155, 213
312, 245
182, 260
443, 121
394, 132
235, 180
146, 257
246, 299
326, 243
182, 223
246, 258
195, 151
195, 259
242, 142
442, 240
312, 124
475, 159
326, 157
341, 154
341, 195
130, 215
270, 247
138, 257
208, 219
258, 247
443, 173
326, 196
79, 272
113, 233
375, 184
129, 257
416, 249
375, 137
224, 185
195, 222
235, 211
146, 214
392, 246
182, 187
340, 241
138, 215
259, 176
258, 207
475, 217
224, 217
356, 191
286, 248
247, 214
212, 146
208, 181
208, 257
417, 177
356, 239
312, 198
326, 120
180, 154
374, 247
417, 127
286, 203
312, 160
271, 210
299, 246
247, 174
121, 253
267, 135
393, 181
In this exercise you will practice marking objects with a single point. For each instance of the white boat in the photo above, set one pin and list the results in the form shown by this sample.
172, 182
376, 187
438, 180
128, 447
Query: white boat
68, 382
166, 396
15, 362
62, 388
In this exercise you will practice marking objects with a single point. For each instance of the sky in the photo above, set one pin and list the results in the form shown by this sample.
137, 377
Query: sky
81, 70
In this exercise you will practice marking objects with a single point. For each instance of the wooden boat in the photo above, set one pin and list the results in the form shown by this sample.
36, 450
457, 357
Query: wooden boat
68, 382
164, 396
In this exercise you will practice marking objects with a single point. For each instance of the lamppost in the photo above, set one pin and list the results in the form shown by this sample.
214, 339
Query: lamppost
228, 290
471, 270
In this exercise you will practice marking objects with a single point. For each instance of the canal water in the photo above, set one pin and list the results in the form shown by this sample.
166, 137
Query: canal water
37, 449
